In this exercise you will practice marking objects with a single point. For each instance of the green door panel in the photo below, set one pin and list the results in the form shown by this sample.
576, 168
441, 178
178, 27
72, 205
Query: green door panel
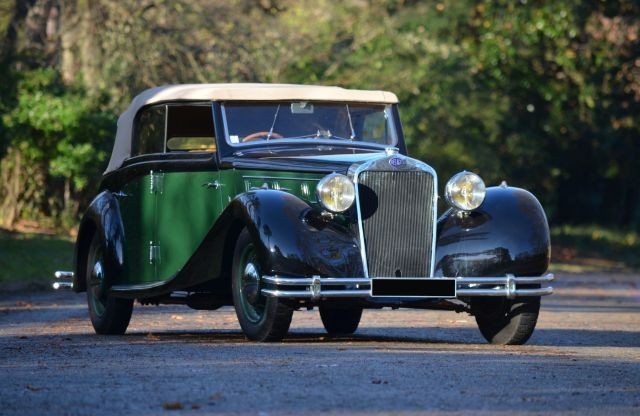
137, 208
188, 205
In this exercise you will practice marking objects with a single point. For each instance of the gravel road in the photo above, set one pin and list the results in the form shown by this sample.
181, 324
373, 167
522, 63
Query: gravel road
584, 358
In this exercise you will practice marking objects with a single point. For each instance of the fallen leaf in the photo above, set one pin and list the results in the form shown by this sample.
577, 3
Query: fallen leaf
172, 406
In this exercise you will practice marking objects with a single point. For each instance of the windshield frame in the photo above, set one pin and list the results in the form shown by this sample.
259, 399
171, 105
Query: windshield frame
388, 110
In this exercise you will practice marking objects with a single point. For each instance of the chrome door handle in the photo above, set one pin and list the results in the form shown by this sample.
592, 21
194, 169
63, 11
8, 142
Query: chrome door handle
212, 185
120, 194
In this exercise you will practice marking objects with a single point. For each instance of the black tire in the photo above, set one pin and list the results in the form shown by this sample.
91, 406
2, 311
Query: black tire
340, 321
504, 321
263, 319
109, 315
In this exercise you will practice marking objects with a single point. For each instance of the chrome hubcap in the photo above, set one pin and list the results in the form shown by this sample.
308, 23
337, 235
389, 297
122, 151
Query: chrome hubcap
251, 283
97, 275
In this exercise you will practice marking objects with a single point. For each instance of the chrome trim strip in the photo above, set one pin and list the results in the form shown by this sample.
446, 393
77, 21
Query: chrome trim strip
329, 281
504, 292
62, 285
61, 274
308, 294
509, 287
363, 250
279, 178
502, 280
140, 286
224, 123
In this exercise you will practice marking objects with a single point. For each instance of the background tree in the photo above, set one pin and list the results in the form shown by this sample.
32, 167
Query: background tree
544, 94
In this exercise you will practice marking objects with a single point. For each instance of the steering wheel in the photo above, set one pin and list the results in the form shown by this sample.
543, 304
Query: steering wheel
261, 134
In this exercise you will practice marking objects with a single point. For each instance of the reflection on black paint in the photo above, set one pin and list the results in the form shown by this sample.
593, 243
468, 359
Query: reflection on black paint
507, 234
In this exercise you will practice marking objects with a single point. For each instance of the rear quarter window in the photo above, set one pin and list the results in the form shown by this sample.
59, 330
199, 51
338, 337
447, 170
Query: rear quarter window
149, 137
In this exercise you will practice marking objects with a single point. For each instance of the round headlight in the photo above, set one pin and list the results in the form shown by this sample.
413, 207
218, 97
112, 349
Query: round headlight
336, 192
465, 191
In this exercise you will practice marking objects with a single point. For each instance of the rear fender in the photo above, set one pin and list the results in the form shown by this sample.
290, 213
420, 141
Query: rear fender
102, 217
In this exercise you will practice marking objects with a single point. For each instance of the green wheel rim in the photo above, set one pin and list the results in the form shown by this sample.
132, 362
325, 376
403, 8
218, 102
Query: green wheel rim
95, 284
248, 278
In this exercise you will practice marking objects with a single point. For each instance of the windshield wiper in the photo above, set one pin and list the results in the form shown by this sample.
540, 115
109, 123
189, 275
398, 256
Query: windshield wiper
353, 133
275, 117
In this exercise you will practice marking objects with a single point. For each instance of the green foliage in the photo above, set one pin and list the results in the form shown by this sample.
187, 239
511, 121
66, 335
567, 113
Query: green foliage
56, 132
543, 94
593, 248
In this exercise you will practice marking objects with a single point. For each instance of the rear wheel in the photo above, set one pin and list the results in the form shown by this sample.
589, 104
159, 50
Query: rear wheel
261, 318
109, 315
340, 321
506, 321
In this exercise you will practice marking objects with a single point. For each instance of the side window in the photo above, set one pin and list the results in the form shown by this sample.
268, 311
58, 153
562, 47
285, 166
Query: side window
149, 132
190, 128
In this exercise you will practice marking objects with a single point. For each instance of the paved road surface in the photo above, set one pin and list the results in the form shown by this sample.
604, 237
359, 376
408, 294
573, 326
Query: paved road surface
584, 358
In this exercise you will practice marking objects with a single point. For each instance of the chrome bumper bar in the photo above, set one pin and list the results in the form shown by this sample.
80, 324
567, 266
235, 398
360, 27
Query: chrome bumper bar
64, 280
359, 287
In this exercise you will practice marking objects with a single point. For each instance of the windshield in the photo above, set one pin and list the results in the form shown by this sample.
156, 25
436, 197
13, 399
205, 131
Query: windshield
248, 123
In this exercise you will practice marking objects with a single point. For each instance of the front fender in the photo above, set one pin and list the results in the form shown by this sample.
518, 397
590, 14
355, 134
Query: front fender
291, 239
102, 217
508, 233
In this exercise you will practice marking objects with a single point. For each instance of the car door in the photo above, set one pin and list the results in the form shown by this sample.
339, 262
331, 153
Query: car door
189, 201
187, 208
138, 213
137, 198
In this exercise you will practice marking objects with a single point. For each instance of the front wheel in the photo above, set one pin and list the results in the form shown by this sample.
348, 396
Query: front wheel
504, 321
109, 315
261, 318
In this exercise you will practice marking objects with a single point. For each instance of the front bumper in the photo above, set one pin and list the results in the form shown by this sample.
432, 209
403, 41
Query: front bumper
317, 287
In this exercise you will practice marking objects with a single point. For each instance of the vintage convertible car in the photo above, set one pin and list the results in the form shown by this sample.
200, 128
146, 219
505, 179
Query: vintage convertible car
273, 198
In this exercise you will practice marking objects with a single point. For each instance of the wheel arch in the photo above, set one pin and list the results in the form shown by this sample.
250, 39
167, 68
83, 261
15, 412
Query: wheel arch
102, 217
287, 236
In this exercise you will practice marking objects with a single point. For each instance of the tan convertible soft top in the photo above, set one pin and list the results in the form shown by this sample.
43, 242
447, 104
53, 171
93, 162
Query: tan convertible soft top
231, 92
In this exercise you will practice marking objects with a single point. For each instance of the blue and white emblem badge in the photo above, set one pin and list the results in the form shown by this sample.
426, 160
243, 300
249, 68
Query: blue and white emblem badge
396, 162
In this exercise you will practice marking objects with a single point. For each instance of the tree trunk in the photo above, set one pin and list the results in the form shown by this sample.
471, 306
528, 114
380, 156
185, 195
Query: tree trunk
12, 185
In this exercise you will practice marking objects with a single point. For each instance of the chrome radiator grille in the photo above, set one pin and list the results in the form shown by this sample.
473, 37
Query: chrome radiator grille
396, 210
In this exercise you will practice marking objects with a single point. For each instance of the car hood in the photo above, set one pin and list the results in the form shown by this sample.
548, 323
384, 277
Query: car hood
336, 158
313, 160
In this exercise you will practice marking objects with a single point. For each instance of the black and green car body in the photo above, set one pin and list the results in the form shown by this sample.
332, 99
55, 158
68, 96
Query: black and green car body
273, 198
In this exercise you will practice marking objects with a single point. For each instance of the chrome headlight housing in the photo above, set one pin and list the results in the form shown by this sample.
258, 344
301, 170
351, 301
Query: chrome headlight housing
336, 192
465, 191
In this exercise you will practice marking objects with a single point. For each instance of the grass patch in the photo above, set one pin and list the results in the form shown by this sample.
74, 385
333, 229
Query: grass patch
592, 248
30, 259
